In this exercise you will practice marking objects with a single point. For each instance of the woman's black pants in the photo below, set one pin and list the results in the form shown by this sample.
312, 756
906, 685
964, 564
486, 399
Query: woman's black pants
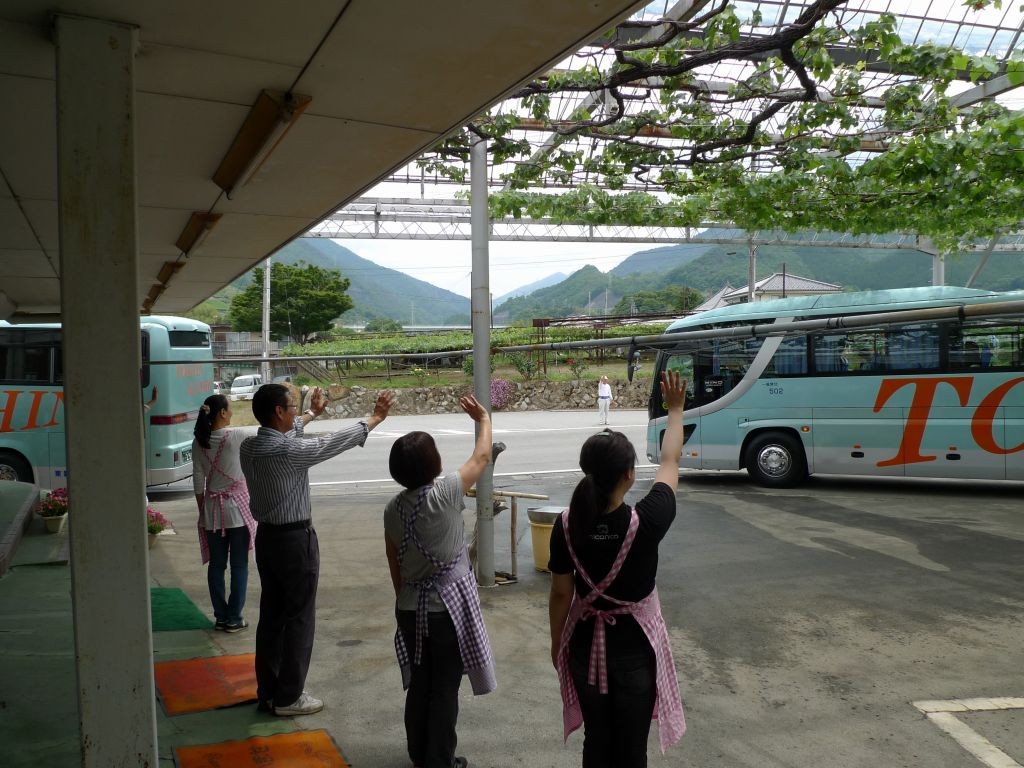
616, 724
432, 701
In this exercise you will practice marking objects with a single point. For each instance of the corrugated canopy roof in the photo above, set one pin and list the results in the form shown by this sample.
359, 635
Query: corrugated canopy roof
386, 81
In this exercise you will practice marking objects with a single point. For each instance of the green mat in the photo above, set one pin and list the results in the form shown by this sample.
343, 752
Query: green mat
173, 610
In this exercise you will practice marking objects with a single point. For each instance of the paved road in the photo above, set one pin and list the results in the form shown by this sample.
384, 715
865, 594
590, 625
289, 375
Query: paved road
806, 623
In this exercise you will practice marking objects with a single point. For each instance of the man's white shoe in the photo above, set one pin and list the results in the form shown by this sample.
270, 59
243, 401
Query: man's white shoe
304, 705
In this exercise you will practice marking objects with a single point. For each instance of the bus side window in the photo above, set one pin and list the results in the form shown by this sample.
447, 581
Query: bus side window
791, 357
828, 353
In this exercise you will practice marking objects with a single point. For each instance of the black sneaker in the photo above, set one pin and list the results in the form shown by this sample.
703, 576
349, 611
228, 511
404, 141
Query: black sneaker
220, 626
460, 762
237, 626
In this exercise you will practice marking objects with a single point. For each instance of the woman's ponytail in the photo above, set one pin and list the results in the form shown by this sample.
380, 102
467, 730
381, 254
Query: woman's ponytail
605, 458
208, 411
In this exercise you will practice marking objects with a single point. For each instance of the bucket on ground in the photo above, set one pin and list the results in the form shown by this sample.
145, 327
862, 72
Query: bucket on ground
542, 520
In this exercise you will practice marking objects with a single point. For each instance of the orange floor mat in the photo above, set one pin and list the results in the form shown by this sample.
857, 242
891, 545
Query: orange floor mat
299, 749
196, 685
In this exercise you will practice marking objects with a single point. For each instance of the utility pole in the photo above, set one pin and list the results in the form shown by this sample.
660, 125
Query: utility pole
265, 365
751, 270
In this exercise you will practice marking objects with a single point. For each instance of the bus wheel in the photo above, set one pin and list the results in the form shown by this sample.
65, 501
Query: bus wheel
776, 459
14, 468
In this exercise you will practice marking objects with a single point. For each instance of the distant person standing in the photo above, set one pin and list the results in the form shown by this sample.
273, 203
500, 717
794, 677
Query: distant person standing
226, 529
604, 399
276, 466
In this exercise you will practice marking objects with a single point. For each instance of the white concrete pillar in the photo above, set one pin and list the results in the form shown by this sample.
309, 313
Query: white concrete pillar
98, 247
481, 311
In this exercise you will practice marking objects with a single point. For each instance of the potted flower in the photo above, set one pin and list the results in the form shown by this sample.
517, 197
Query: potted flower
54, 509
155, 523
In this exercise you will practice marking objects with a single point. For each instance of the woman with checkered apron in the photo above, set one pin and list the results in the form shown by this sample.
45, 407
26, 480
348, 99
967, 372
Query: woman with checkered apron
226, 528
441, 634
609, 642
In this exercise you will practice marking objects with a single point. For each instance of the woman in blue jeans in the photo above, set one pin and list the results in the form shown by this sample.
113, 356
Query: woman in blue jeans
226, 528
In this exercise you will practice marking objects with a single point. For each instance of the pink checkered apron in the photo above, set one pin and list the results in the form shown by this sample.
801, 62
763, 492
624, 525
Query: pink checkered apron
668, 705
237, 492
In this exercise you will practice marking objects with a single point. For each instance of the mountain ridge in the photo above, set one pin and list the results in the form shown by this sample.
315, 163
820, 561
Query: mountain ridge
376, 291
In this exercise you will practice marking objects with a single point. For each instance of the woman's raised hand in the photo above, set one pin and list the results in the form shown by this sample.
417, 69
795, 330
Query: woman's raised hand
673, 390
473, 408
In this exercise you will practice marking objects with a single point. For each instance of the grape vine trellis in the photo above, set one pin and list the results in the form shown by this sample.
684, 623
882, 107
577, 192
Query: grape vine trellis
776, 140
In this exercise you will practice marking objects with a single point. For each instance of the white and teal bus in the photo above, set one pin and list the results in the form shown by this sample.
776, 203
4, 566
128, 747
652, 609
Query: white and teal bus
32, 398
915, 382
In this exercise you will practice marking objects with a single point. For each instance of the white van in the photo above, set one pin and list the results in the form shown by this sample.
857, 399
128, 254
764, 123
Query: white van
244, 387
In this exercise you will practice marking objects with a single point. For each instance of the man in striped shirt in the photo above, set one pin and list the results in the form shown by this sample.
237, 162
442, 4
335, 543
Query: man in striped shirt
276, 466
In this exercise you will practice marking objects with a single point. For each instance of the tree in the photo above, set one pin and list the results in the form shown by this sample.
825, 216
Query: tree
383, 325
208, 313
773, 138
673, 298
304, 299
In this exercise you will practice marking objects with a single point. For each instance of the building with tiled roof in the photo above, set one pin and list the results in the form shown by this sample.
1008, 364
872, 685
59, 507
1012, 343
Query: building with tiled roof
779, 285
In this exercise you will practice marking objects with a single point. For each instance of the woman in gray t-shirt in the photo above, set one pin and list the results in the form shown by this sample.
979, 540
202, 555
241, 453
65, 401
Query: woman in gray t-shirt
441, 634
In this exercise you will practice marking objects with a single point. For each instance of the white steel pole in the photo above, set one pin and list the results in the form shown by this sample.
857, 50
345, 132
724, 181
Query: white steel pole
481, 311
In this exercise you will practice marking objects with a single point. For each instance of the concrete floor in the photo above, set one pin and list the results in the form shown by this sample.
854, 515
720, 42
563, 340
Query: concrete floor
805, 623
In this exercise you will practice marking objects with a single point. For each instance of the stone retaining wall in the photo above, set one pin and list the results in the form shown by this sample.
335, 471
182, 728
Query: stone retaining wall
539, 395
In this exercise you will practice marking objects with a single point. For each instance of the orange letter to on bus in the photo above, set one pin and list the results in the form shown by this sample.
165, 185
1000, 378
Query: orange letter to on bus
981, 423
920, 406
7, 412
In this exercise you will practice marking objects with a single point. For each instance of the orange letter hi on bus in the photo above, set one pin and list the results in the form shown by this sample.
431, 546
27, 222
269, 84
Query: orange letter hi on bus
981, 424
920, 406
7, 412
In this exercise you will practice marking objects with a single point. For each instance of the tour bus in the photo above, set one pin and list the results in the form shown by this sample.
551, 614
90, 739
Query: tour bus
32, 399
915, 382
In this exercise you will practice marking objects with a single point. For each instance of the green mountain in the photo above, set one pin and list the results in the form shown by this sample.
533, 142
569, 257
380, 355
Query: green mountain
526, 290
586, 291
375, 290
708, 267
661, 259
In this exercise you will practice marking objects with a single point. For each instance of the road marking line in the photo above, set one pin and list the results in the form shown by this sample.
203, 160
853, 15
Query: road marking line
941, 714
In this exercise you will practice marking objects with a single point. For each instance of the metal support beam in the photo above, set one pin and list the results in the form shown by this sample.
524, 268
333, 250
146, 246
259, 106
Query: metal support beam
98, 258
481, 311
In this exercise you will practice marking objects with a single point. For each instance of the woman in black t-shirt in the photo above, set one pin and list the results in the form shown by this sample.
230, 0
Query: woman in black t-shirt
611, 647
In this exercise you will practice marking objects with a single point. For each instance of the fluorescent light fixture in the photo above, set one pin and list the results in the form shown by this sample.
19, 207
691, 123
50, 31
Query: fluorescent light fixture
7, 306
167, 271
269, 119
196, 230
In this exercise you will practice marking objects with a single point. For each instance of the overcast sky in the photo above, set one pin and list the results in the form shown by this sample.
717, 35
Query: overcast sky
447, 264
